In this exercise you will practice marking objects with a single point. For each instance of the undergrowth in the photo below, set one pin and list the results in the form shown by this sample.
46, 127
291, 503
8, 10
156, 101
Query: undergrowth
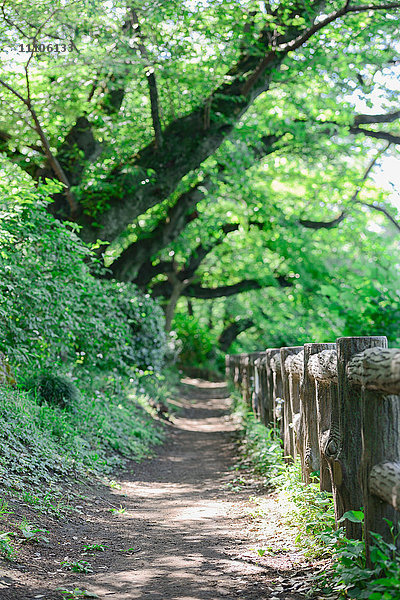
42, 445
311, 513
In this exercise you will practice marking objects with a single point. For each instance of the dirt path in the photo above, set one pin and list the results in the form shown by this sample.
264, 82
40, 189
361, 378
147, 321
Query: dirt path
182, 533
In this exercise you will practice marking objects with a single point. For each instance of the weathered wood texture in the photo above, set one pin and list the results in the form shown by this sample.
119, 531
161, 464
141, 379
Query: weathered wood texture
323, 368
254, 400
315, 402
259, 387
341, 415
377, 372
228, 366
294, 365
289, 444
376, 369
245, 379
271, 388
384, 482
348, 487
277, 392
266, 406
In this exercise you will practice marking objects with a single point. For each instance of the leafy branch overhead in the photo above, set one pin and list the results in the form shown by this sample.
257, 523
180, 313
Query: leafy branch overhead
216, 150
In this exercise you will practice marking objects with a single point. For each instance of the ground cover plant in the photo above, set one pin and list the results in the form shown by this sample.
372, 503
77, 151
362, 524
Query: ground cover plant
81, 361
311, 514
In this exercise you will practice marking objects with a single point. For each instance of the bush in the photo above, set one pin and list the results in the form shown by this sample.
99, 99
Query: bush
42, 445
196, 342
52, 309
56, 390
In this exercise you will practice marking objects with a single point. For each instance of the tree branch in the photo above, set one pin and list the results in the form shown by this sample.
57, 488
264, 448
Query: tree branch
55, 165
381, 118
151, 80
368, 171
323, 224
134, 263
231, 332
196, 290
378, 135
346, 9
382, 210
127, 266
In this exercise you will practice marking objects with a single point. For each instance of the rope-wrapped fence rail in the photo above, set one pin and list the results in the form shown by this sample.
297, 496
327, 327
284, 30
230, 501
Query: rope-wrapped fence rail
337, 406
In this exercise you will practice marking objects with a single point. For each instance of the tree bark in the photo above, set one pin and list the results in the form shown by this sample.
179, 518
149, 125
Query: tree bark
269, 397
275, 364
231, 332
187, 142
323, 406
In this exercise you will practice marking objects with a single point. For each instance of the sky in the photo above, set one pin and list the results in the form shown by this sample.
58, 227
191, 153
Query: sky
388, 177
387, 173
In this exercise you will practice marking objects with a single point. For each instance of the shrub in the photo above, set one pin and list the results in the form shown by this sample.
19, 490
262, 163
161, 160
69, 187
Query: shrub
52, 309
56, 390
196, 341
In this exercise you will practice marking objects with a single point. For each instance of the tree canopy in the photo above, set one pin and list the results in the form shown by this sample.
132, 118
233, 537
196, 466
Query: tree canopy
218, 154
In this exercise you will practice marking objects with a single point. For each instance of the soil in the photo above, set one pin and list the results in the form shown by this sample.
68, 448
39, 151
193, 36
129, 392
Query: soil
180, 527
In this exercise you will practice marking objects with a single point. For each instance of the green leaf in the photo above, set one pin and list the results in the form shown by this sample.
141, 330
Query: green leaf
355, 516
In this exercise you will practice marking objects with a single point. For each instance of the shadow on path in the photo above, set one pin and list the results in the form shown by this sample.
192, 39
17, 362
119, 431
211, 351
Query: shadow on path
182, 533
187, 523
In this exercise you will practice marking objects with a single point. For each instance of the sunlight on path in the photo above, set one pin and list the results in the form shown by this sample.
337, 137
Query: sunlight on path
189, 532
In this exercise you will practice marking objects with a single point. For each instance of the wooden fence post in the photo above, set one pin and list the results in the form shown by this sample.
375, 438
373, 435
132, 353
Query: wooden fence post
228, 374
237, 380
244, 368
322, 367
275, 364
295, 366
309, 408
267, 412
259, 387
289, 444
377, 371
269, 403
252, 377
350, 406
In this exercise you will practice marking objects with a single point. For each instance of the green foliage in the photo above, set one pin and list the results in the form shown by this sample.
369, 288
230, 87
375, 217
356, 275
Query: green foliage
7, 549
52, 309
313, 172
350, 574
195, 342
56, 390
147, 339
261, 448
77, 566
310, 511
94, 548
76, 593
32, 533
42, 445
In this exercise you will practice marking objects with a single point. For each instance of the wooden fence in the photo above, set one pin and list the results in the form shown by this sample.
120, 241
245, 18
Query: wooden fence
337, 407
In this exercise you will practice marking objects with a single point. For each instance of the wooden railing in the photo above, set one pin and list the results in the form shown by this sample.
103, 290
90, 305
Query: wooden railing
337, 407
